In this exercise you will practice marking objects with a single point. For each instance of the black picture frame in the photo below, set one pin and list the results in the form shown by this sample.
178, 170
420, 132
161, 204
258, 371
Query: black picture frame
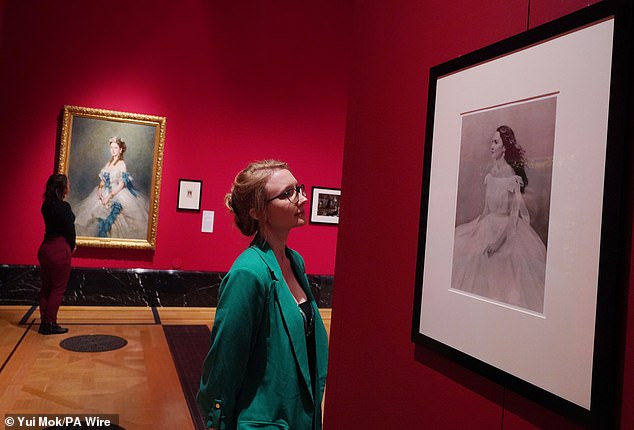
324, 206
486, 334
189, 195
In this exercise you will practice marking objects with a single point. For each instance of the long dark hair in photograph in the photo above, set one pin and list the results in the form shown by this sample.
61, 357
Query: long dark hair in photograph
514, 153
56, 186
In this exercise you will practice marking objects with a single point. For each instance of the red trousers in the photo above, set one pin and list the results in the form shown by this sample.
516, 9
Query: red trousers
54, 256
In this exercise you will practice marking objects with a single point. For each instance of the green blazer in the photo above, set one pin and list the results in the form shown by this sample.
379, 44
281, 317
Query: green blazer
256, 374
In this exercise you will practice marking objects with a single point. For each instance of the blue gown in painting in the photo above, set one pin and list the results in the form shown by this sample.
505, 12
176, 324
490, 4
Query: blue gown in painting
123, 216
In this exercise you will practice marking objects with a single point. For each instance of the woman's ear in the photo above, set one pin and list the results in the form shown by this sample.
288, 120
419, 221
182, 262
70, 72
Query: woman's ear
253, 214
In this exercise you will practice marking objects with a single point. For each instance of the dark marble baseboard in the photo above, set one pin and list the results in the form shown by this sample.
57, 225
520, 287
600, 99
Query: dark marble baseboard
19, 285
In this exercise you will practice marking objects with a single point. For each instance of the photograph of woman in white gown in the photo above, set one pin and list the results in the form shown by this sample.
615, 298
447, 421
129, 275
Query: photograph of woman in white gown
115, 208
498, 255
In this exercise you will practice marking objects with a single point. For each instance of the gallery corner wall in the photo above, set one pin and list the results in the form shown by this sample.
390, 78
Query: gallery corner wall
379, 378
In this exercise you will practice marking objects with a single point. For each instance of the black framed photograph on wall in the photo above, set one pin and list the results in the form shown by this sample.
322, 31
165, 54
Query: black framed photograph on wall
189, 195
520, 180
324, 207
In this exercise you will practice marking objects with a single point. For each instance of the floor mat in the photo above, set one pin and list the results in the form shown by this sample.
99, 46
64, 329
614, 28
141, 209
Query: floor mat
93, 343
189, 345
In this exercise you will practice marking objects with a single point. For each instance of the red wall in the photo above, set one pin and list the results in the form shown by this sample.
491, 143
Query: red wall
237, 81
240, 82
379, 379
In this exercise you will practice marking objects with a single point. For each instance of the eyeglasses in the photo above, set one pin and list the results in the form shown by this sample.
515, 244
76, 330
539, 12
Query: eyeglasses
291, 194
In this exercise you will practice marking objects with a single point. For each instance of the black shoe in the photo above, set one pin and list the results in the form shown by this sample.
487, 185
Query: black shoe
45, 328
58, 329
51, 328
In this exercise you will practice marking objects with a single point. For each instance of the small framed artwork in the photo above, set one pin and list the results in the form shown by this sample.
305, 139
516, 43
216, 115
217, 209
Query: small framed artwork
521, 220
113, 160
189, 194
324, 208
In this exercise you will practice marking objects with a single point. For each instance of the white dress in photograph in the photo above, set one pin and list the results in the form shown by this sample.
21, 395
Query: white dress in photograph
514, 274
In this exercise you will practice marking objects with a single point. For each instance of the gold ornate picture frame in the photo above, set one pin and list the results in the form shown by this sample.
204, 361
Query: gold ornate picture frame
113, 161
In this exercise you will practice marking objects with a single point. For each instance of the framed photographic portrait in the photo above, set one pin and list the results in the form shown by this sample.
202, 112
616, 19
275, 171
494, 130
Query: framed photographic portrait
189, 195
113, 161
324, 206
516, 277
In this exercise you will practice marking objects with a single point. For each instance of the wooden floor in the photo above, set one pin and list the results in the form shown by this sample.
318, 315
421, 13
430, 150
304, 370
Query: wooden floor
138, 382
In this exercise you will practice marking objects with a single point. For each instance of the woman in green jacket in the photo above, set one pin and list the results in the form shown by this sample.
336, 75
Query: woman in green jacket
266, 368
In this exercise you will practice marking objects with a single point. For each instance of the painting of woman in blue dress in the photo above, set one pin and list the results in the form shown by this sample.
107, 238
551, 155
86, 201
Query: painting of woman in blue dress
115, 208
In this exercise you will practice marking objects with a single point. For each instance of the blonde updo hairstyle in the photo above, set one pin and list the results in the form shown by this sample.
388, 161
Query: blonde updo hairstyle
248, 192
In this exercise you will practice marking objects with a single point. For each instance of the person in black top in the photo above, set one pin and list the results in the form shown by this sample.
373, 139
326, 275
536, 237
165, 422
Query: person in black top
55, 252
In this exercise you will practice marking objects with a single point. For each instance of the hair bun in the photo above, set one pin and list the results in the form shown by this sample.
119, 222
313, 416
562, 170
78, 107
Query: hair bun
229, 203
